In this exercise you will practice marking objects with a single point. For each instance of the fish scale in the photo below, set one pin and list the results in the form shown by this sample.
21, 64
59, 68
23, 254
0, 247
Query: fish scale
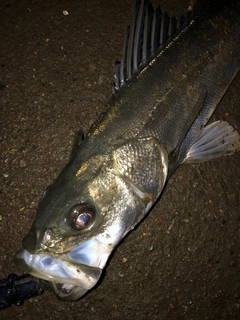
157, 99
155, 121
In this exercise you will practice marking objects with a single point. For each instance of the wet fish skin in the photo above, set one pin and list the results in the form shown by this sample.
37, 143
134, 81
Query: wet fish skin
181, 74
122, 165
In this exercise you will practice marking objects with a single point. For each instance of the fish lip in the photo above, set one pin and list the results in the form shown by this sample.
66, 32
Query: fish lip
70, 275
67, 292
67, 280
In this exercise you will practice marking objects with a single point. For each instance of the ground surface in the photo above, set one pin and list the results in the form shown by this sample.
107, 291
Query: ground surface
183, 261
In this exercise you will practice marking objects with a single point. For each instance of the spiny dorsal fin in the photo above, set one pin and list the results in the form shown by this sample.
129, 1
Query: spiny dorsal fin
149, 33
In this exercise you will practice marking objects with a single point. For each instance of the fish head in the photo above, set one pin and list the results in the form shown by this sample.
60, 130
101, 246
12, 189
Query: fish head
85, 214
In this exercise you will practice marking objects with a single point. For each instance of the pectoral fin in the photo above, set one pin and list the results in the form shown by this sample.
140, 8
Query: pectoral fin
216, 140
204, 143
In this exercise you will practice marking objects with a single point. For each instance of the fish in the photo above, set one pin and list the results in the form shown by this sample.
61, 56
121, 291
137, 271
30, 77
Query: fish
171, 78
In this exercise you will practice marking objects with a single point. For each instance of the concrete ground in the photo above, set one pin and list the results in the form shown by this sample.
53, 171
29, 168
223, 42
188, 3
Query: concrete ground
183, 260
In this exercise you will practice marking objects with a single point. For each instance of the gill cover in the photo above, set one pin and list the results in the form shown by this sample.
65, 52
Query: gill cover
88, 210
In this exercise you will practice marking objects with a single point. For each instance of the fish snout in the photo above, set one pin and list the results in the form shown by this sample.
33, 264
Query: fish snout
30, 242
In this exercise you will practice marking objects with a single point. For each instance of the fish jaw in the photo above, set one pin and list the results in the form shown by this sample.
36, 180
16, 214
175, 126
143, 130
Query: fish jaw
71, 260
72, 275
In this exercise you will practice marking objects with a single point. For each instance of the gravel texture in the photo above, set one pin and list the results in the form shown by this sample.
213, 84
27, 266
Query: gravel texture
183, 260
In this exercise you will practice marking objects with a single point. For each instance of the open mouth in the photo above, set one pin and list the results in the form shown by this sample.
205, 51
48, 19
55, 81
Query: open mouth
67, 291
68, 279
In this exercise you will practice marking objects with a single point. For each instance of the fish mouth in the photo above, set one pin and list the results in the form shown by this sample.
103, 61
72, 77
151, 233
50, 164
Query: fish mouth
69, 278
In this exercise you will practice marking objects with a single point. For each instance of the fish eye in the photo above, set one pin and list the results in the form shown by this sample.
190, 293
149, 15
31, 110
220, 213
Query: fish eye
81, 215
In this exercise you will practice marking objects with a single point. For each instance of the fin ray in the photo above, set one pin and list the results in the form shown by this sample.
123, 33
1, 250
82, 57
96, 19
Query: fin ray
216, 140
150, 32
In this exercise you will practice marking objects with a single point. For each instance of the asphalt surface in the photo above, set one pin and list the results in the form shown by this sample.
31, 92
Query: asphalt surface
183, 260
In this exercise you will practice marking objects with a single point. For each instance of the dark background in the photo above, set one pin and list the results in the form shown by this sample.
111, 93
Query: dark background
183, 261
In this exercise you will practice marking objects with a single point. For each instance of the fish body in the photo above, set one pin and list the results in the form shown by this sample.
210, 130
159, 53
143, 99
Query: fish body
165, 93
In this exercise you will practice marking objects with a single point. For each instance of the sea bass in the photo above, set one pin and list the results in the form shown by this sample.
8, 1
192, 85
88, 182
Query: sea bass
172, 76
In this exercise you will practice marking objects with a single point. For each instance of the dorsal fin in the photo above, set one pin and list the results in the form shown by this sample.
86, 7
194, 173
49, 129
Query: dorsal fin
149, 33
